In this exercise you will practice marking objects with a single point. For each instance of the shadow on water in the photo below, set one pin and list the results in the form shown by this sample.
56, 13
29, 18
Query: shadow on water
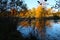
8, 30
53, 32
8, 26
56, 18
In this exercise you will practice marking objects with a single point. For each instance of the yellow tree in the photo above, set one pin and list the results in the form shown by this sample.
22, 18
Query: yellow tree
32, 14
49, 10
38, 11
27, 14
21, 14
58, 13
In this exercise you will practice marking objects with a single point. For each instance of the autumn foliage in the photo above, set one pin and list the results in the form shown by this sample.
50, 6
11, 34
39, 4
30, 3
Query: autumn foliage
37, 13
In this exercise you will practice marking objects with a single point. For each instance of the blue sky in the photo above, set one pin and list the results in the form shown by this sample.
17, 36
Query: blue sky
33, 3
51, 3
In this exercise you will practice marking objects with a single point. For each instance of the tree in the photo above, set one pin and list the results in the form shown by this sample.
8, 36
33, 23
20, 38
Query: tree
18, 5
38, 11
3, 4
33, 12
57, 5
7, 6
15, 4
45, 0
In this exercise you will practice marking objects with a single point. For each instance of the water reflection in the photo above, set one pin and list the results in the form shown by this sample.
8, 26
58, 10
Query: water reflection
27, 30
52, 31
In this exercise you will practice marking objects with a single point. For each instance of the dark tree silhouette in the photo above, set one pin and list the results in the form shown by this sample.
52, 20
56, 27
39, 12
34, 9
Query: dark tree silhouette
19, 3
3, 4
15, 4
57, 5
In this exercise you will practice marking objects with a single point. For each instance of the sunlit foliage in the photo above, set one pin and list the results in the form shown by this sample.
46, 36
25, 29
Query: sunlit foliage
38, 11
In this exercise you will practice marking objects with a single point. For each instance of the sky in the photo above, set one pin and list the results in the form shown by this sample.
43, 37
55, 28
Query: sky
31, 3
34, 3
